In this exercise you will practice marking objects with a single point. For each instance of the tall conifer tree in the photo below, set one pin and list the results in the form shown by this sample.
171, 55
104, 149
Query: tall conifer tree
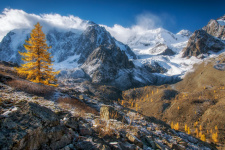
38, 64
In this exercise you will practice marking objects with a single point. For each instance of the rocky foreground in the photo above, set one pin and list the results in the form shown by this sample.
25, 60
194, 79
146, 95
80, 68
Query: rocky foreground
33, 122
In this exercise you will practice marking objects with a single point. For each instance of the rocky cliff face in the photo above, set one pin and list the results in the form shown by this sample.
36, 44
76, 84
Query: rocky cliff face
104, 63
93, 37
110, 65
11, 44
201, 43
216, 28
63, 43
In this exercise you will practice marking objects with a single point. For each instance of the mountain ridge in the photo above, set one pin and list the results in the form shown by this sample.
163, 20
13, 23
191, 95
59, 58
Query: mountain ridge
71, 49
156, 54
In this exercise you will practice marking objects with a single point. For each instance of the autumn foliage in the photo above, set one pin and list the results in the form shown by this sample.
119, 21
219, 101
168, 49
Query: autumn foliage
37, 65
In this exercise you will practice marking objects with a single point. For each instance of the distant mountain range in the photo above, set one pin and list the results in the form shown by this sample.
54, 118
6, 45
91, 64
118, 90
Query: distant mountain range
151, 57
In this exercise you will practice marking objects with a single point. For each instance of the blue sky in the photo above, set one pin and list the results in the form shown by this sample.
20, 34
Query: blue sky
172, 15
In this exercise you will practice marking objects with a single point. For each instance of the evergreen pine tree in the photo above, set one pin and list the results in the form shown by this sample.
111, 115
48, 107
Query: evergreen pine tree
38, 64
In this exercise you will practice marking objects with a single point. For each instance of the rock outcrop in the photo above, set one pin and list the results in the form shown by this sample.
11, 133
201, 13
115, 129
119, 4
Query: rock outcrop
220, 67
108, 112
216, 28
155, 68
31, 126
184, 33
202, 43
168, 52
162, 49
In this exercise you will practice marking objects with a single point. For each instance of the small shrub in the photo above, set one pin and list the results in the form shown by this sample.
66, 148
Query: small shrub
203, 137
31, 88
185, 128
176, 126
172, 126
105, 129
215, 137
197, 133
189, 131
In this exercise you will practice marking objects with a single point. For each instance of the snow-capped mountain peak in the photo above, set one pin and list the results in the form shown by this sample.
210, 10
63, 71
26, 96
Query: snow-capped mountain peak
186, 33
221, 20
143, 42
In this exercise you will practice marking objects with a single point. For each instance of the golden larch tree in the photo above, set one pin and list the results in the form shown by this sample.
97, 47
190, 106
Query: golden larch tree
37, 65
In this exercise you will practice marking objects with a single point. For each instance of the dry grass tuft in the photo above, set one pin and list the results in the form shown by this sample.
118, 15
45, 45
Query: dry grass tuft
7, 69
104, 129
30, 87
68, 103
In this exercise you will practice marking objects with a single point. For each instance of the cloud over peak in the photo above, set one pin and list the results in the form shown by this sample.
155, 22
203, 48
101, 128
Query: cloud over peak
11, 19
144, 22
148, 21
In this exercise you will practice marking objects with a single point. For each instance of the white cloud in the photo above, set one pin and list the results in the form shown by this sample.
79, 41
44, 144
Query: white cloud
119, 32
144, 22
148, 21
11, 19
